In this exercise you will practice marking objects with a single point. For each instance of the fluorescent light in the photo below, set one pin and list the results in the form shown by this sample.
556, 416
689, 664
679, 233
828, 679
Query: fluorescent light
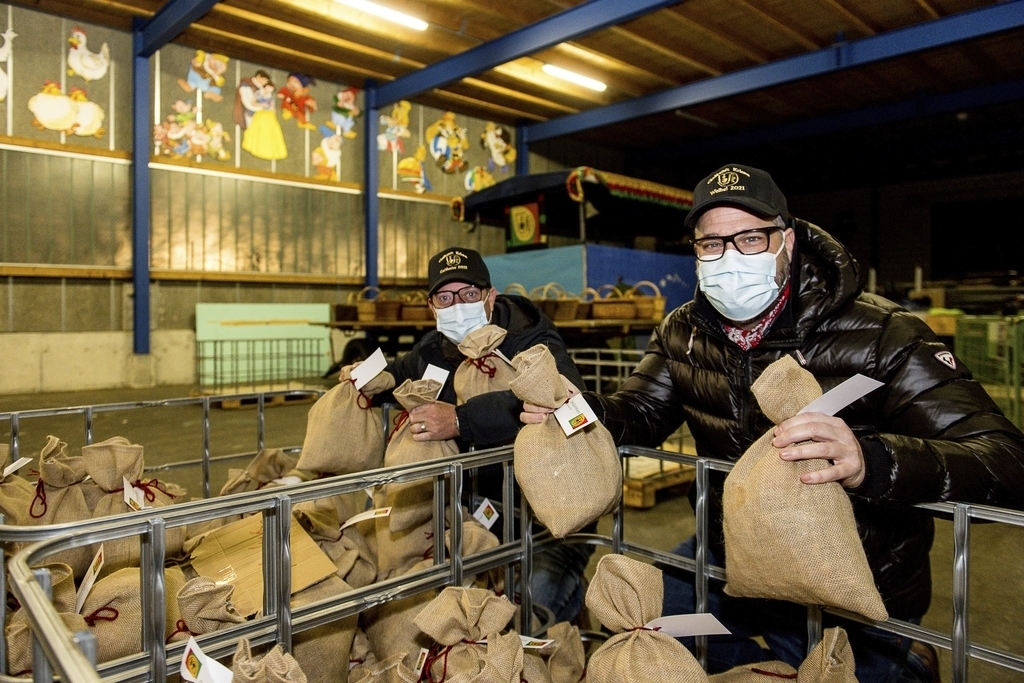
386, 13
573, 77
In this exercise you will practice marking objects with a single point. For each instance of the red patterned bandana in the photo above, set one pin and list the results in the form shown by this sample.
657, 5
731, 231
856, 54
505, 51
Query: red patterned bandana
748, 339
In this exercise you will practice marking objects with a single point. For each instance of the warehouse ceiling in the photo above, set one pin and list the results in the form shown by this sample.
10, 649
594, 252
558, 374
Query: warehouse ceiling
765, 81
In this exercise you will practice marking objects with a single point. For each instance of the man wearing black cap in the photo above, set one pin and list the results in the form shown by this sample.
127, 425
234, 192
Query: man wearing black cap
771, 285
462, 300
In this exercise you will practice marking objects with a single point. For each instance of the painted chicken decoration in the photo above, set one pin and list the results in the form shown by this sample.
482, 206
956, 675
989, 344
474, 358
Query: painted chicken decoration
89, 65
72, 114
5, 52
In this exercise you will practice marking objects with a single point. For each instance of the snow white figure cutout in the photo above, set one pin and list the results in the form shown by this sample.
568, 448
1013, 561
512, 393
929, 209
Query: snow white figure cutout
255, 113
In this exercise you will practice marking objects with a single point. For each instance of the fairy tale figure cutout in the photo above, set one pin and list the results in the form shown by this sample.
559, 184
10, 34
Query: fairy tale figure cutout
297, 99
255, 113
206, 74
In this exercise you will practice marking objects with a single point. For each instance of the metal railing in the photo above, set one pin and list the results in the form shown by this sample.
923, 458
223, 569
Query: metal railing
280, 622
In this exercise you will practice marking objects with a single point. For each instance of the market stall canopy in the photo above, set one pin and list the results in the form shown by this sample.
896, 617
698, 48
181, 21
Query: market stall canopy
584, 203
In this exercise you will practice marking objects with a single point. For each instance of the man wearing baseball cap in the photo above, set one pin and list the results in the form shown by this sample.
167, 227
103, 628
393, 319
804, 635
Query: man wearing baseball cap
770, 285
463, 300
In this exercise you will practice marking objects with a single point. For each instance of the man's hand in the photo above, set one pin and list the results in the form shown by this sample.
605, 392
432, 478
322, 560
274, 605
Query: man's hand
433, 422
536, 414
815, 435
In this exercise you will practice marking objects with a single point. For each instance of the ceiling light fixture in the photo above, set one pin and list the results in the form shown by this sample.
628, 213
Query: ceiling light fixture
573, 77
386, 13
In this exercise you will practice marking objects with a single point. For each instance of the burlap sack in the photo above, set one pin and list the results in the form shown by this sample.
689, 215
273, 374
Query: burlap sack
109, 463
624, 596
344, 433
398, 552
568, 481
16, 493
205, 607
483, 371
411, 502
19, 640
323, 652
275, 667
113, 611
361, 654
784, 539
347, 548
390, 670
60, 498
267, 465
830, 661
566, 657
761, 672
535, 669
390, 628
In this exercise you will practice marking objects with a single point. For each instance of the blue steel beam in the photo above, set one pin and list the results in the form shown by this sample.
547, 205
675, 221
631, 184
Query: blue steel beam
142, 138
566, 25
890, 113
371, 182
932, 34
169, 21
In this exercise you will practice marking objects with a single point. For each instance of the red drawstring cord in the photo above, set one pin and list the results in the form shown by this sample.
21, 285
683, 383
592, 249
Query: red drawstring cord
402, 418
102, 614
41, 497
432, 656
179, 627
362, 398
772, 673
147, 487
483, 366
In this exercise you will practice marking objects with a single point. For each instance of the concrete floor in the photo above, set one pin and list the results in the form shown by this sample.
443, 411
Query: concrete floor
173, 435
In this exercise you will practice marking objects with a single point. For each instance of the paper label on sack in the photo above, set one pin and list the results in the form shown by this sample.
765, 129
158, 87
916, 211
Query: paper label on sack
196, 667
421, 661
534, 643
436, 373
89, 579
135, 498
575, 414
369, 514
368, 369
843, 395
686, 625
486, 514
499, 354
15, 466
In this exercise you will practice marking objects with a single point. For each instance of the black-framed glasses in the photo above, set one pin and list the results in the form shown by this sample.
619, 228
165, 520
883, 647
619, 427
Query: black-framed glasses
466, 295
748, 242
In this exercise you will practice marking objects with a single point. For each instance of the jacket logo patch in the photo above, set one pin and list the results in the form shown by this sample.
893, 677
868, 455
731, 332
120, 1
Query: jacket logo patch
946, 358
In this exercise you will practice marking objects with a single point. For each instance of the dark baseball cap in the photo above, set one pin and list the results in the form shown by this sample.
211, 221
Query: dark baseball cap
457, 264
744, 187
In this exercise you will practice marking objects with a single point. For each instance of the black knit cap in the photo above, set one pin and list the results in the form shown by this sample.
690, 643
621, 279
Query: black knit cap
741, 186
457, 264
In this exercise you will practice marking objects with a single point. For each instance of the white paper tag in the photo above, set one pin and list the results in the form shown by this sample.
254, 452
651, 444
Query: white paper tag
843, 395
439, 374
198, 668
89, 579
575, 415
289, 480
368, 369
685, 625
421, 661
486, 514
499, 354
369, 514
15, 466
134, 498
534, 643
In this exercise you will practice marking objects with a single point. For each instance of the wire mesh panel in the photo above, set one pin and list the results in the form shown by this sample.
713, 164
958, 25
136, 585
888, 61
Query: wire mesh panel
991, 347
258, 364
604, 370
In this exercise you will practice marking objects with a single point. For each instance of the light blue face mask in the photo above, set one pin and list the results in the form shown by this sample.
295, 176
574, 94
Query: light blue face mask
458, 320
740, 286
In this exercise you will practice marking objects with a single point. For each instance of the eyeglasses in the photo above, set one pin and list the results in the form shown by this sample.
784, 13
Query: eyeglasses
748, 242
466, 295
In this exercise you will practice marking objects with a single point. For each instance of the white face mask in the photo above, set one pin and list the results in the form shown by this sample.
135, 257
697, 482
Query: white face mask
740, 286
458, 320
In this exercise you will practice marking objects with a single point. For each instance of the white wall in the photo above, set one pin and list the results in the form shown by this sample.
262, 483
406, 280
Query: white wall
71, 361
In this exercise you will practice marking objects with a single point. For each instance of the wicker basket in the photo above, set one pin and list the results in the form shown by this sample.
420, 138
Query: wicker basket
555, 302
389, 306
648, 307
587, 299
612, 305
517, 289
415, 307
365, 303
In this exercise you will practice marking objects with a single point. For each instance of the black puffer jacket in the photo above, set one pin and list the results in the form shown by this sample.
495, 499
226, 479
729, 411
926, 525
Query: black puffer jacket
930, 434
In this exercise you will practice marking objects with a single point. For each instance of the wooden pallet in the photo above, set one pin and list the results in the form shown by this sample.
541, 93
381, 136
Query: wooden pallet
641, 492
